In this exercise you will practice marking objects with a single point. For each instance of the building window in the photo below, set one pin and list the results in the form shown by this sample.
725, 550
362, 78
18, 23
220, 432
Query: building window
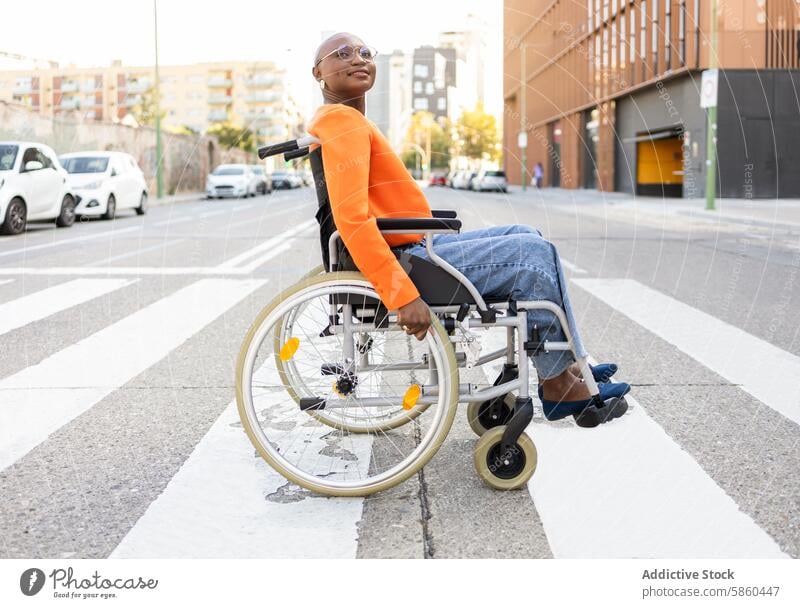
643, 37
421, 103
429, 88
418, 86
632, 26
682, 33
441, 103
622, 31
668, 33
654, 41
420, 70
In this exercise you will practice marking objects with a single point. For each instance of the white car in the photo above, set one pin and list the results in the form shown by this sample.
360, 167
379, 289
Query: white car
490, 180
105, 182
462, 179
231, 180
33, 186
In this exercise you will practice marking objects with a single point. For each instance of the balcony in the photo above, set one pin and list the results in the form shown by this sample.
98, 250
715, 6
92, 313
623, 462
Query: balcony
262, 97
259, 116
217, 116
70, 104
219, 82
23, 89
90, 87
261, 81
219, 99
132, 100
69, 87
138, 86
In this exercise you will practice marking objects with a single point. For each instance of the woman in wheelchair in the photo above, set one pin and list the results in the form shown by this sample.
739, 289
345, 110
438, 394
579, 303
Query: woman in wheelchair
367, 180
345, 401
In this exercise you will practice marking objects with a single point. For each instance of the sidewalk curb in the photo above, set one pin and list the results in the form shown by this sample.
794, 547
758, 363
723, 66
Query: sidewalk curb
183, 197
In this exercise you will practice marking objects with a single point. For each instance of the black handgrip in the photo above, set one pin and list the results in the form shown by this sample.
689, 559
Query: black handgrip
286, 146
417, 224
296, 154
443, 213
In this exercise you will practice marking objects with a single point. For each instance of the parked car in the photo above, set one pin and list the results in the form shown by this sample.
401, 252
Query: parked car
105, 182
438, 179
285, 179
450, 177
234, 180
307, 178
263, 181
471, 180
462, 179
33, 186
490, 180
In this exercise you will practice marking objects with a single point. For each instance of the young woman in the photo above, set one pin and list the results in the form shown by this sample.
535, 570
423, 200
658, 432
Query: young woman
366, 180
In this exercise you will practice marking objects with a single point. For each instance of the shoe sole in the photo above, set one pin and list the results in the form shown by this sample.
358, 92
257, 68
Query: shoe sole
594, 416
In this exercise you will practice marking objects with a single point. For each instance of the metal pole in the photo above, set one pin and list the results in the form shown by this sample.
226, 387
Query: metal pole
522, 88
159, 171
711, 125
428, 153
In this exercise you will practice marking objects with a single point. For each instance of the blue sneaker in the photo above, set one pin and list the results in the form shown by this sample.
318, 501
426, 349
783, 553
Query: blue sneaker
556, 410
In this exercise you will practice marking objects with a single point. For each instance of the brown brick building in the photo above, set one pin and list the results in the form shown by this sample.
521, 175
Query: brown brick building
612, 94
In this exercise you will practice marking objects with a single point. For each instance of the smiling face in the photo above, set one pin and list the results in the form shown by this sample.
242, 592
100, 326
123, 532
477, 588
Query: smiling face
344, 79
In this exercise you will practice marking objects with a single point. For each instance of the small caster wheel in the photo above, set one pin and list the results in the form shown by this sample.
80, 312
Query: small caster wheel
507, 470
481, 418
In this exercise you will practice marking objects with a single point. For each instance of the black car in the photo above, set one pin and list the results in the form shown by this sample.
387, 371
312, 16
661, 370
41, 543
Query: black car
282, 179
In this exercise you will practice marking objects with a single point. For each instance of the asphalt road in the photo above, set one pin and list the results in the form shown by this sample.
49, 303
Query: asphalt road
119, 434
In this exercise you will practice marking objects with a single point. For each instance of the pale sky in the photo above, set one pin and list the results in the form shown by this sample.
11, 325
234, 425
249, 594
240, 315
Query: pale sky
95, 32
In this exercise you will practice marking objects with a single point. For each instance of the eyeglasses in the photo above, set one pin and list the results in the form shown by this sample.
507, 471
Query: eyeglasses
367, 53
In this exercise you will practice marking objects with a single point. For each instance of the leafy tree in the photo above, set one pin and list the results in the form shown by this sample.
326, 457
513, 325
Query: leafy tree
477, 134
441, 141
230, 136
145, 111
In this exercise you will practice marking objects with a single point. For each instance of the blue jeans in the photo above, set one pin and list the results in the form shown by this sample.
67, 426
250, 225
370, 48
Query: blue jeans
514, 261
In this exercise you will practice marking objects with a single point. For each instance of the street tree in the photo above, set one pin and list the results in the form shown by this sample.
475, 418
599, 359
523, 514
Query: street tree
230, 135
477, 134
441, 141
145, 111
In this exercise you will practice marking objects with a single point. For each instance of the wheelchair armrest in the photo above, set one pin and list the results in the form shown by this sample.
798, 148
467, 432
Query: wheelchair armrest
418, 224
443, 213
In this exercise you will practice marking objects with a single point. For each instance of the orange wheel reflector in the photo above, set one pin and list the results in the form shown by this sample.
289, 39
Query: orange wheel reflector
411, 396
289, 349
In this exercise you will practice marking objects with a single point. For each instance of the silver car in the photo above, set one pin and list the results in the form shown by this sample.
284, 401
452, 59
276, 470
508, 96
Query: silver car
490, 180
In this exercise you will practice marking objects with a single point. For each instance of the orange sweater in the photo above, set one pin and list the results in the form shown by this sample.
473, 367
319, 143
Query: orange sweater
367, 180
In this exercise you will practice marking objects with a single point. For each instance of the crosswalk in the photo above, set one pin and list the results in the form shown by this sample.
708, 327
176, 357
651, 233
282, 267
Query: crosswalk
629, 489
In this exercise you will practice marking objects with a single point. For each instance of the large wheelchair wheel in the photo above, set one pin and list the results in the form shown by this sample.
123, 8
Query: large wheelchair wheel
330, 318
354, 420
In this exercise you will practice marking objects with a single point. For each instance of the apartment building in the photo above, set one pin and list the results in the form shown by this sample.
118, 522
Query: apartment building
612, 94
195, 96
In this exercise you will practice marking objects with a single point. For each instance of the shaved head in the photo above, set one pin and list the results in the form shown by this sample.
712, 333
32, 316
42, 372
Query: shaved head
334, 41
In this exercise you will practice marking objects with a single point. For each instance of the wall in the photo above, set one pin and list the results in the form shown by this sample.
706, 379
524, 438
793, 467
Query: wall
186, 159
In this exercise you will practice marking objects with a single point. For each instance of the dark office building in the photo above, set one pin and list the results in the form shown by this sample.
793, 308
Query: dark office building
433, 70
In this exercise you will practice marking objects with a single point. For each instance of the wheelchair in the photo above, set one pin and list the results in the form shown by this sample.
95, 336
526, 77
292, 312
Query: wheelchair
339, 400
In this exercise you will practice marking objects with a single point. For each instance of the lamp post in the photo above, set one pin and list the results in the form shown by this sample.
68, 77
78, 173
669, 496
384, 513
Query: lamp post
159, 172
711, 126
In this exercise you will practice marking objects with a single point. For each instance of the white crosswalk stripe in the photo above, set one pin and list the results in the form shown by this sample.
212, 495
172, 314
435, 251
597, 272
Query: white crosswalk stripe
40, 399
46, 302
4, 281
763, 370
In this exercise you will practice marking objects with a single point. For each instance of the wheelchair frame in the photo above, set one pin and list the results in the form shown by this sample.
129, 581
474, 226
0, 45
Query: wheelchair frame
514, 375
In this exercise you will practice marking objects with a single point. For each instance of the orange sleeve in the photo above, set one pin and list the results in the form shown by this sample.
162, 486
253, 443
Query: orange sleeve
344, 135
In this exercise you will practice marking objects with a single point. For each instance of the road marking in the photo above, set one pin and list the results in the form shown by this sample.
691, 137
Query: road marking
765, 371
137, 252
570, 266
241, 207
46, 302
40, 399
125, 270
628, 490
177, 220
273, 246
211, 213
56, 243
4, 281
216, 506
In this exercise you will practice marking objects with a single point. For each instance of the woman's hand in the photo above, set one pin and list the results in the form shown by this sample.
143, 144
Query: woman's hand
414, 318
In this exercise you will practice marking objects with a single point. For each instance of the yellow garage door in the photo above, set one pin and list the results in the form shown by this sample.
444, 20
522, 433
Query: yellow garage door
659, 161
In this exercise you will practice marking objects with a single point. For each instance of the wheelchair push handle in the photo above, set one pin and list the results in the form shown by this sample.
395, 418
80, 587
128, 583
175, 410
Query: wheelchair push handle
293, 145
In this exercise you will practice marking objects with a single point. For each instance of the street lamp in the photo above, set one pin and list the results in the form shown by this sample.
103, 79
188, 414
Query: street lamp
159, 172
